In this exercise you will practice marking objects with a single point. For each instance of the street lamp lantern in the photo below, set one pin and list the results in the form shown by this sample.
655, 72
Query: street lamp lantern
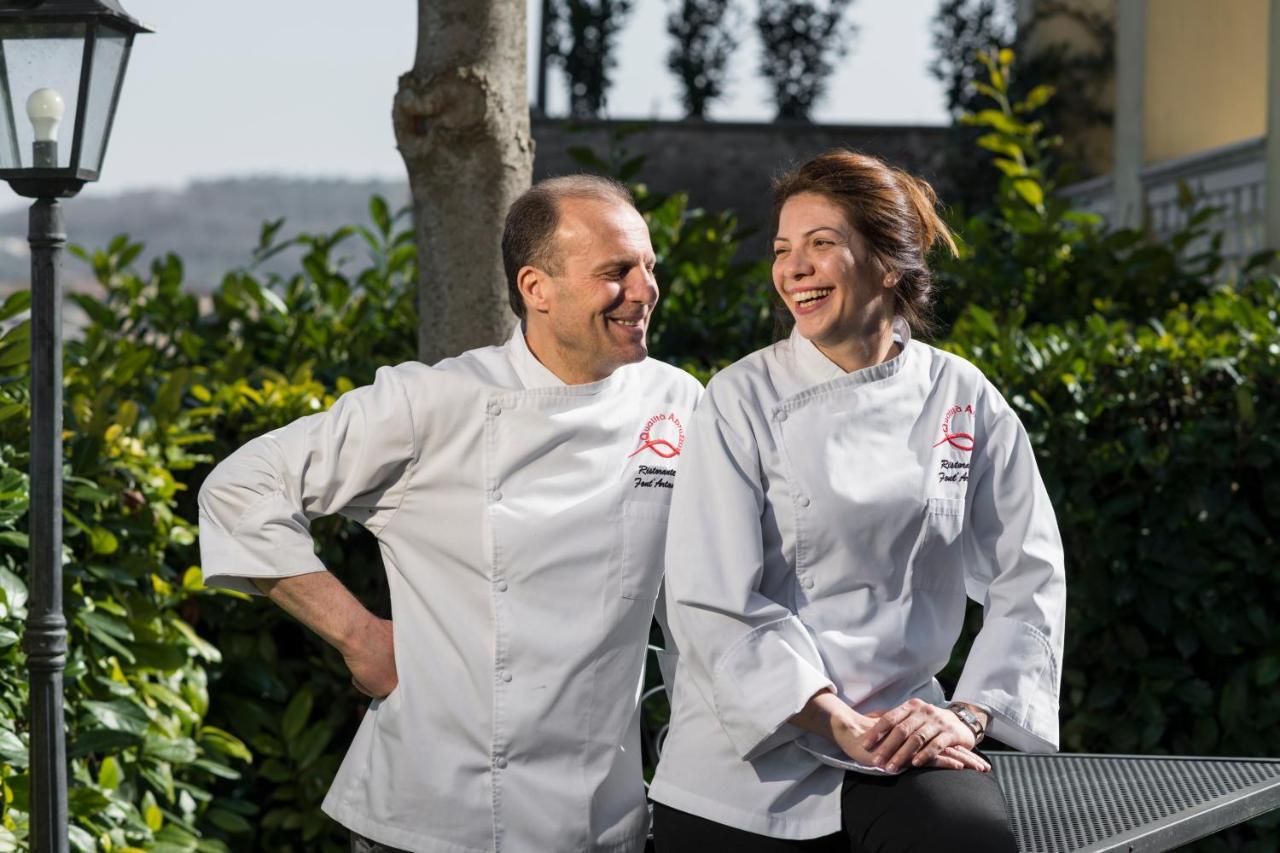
61, 66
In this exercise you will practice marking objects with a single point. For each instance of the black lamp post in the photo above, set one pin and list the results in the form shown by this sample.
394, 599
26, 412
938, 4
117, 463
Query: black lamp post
62, 63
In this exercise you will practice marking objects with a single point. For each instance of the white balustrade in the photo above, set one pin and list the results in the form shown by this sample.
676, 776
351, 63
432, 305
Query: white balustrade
1231, 178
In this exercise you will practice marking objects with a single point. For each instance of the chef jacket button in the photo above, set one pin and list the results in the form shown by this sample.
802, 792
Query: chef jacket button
807, 583
804, 500
505, 676
500, 763
496, 496
782, 416
495, 409
502, 586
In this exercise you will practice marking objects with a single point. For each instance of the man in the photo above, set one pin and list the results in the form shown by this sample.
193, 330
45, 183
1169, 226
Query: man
519, 495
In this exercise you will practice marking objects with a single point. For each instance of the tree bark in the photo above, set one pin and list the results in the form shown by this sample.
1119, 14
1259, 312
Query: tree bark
462, 125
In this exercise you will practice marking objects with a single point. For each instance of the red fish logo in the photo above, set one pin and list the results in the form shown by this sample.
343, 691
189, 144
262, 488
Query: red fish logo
951, 433
663, 434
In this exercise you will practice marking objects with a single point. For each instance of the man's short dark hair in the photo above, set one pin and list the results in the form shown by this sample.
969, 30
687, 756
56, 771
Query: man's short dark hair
528, 239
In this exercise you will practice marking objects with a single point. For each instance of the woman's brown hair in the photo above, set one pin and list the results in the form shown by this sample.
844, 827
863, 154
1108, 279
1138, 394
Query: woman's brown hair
895, 212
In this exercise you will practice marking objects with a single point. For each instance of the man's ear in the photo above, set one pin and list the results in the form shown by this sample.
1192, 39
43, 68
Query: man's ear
535, 288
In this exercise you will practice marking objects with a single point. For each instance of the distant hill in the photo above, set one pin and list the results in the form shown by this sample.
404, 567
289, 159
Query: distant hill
212, 225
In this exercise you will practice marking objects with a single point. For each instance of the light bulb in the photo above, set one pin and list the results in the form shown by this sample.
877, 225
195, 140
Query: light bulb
45, 109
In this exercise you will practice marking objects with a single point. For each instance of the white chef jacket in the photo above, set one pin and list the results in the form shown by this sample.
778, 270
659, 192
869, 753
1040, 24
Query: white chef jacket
824, 533
521, 524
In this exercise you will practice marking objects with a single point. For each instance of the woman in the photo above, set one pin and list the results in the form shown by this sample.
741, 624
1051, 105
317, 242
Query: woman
840, 493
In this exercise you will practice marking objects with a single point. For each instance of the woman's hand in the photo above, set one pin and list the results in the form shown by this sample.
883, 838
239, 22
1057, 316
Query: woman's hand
827, 714
848, 730
922, 734
958, 758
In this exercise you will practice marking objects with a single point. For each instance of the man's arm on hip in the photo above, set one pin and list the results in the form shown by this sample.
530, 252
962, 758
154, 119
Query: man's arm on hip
320, 601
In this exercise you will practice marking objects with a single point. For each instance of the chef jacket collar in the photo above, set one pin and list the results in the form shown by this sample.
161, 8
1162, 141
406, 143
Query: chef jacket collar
534, 374
817, 368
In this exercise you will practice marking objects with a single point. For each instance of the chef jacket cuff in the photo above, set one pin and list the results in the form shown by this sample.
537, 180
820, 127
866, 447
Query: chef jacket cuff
229, 565
763, 680
1013, 671
270, 540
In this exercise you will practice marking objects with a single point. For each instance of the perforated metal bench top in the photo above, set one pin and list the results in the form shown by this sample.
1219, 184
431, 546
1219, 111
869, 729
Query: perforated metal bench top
1094, 803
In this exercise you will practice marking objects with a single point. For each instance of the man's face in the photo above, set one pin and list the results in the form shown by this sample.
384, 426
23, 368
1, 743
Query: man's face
597, 305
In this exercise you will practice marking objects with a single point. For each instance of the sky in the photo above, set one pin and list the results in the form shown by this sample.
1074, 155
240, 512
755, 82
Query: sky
304, 87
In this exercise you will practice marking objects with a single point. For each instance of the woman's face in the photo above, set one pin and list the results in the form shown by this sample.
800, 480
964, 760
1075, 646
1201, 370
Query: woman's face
824, 271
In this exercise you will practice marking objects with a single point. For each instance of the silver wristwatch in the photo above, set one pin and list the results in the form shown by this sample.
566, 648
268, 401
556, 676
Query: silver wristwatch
970, 719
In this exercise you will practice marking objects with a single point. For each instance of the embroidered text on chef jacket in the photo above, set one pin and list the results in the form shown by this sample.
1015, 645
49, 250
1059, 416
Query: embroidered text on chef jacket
521, 524
824, 533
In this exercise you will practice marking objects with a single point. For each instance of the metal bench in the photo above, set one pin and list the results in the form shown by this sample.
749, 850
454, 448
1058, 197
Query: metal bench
1096, 803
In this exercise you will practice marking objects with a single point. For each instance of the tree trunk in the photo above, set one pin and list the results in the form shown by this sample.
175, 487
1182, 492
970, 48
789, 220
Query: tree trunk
462, 125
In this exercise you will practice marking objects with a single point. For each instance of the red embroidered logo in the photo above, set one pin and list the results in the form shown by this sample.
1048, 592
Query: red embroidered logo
658, 434
951, 433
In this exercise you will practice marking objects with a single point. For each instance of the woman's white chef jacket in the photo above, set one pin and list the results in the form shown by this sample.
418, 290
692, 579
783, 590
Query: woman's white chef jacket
824, 533
521, 524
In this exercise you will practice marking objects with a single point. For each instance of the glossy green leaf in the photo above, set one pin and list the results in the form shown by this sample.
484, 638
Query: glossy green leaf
12, 749
380, 213
296, 714
222, 771
1030, 191
223, 742
81, 840
103, 541
15, 303
100, 623
118, 715
151, 812
99, 741
110, 775
228, 821
173, 750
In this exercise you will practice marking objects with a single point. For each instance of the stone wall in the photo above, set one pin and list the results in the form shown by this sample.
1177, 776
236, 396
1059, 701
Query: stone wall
729, 165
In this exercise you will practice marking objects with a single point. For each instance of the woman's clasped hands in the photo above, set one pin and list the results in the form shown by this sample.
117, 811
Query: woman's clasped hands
915, 731
920, 733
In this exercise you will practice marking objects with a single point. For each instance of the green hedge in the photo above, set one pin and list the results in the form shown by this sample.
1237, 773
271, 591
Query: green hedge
143, 756
157, 388
202, 721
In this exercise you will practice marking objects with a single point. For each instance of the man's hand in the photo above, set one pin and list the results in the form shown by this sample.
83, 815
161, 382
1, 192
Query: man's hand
922, 734
319, 601
370, 654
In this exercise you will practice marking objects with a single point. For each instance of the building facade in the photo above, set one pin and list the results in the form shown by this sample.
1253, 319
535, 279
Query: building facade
1196, 100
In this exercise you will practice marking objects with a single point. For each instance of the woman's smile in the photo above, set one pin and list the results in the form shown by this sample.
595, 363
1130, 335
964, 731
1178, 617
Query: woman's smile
808, 301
